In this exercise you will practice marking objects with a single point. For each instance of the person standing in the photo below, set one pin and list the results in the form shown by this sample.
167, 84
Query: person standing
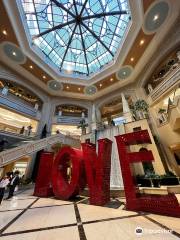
3, 184
13, 184
22, 130
29, 129
44, 132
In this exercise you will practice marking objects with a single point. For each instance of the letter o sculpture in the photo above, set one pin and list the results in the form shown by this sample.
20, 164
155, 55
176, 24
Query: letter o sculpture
62, 187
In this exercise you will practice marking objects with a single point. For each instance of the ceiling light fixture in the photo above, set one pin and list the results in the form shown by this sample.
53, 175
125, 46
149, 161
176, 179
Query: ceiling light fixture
132, 59
31, 66
67, 87
4, 32
100, 84
124, 73
79, 89
14, 53
141, 42
111, 79
44, 77
155, 17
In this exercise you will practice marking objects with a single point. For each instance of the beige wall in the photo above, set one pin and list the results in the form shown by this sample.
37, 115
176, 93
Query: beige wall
166, 133
168, 137
157, 164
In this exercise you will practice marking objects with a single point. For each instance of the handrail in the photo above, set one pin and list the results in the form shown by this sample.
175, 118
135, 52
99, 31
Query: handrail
171, 79
10, 155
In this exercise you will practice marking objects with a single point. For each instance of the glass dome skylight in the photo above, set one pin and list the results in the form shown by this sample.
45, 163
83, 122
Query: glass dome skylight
78, 36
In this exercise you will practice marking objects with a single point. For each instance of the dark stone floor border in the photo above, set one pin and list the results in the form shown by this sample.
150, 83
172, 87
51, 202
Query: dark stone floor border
79, 224
18, 216
82, 235
21, 209
162, 226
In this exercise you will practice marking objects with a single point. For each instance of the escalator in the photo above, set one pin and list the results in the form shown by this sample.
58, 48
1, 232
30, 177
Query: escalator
30, 146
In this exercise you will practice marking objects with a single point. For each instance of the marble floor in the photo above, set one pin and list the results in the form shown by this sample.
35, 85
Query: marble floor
26, 217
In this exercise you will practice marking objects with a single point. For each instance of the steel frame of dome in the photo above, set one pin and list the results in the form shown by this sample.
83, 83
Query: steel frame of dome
73, 12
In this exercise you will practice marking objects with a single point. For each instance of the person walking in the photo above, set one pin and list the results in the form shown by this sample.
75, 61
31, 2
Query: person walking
13, 184
3, 184
29, 130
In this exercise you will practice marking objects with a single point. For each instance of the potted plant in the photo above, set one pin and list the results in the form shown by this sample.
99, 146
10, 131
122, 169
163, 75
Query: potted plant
141, 107
82, 124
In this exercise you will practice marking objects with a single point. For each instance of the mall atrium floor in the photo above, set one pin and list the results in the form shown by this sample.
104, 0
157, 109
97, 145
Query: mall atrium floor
27, 217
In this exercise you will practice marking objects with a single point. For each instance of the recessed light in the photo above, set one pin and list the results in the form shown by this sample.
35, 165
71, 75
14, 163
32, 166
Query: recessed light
31, 66
67, 87
79, 89
100, 84
132, 59
155, 17
55, 85
44, 77
111, 79
4, 32
124, 73
14, 53
141, 42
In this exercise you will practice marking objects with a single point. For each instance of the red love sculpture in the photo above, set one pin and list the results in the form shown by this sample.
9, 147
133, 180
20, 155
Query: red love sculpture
98, 170
163, 204
43, 186
63, 187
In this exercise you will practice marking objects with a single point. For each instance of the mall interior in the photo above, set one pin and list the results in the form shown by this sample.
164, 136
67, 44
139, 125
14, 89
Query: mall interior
73, 72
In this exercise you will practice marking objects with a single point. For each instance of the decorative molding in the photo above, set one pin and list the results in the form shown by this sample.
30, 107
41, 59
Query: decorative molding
90, 90
124, 72
160, 9
13, 52
55, 85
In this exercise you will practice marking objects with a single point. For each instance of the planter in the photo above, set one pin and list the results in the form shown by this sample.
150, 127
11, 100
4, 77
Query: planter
169, 181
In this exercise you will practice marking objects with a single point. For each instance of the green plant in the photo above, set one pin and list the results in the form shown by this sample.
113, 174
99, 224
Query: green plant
141, 105
82, 124
161, 110
151, 174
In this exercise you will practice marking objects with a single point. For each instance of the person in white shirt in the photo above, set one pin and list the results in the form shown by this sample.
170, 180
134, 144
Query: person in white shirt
3, 184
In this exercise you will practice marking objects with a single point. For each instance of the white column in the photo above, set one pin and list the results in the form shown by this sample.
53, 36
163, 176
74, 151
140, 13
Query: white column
46, 118
126, 110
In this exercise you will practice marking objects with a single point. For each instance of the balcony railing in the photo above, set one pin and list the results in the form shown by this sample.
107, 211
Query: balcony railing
170, 80
68, 120
12, 103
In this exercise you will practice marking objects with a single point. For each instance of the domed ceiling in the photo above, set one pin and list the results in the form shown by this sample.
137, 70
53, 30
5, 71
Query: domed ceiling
83, 48
79, 37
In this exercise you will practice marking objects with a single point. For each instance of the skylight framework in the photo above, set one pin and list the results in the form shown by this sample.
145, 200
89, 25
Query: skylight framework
78, 36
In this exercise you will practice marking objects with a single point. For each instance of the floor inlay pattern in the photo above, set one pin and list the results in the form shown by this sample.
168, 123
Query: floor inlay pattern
26, 217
